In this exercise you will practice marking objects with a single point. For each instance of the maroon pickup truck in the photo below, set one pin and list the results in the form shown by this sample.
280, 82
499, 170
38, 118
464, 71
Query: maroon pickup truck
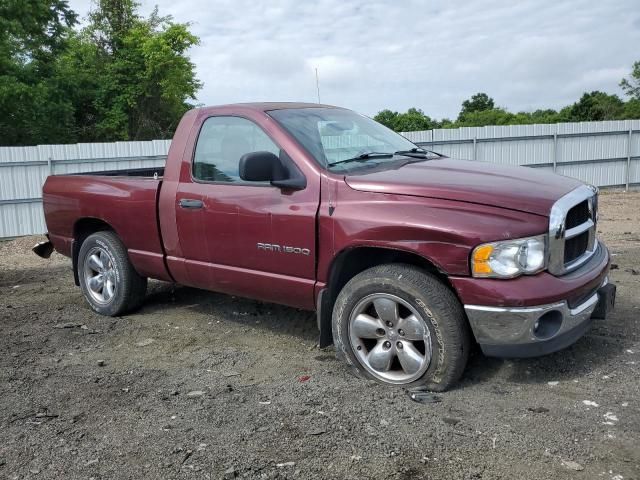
405, 255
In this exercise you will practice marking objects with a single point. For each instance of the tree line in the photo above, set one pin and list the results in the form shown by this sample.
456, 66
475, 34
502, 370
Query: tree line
122, 76
481, 110
118, 77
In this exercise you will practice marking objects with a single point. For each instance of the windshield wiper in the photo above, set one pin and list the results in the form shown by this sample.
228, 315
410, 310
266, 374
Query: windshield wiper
417, 153
364, 156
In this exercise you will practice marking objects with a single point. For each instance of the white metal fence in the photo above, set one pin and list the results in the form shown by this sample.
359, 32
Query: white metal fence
601, 153
605, 154
23, 171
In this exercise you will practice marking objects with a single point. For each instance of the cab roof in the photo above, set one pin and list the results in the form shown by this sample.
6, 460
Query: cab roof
267, 106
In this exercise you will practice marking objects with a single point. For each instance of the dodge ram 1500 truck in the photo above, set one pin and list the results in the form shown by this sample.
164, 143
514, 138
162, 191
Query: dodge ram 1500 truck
405, 255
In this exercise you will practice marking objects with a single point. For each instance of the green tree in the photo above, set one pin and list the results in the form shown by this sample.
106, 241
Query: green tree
78, 74
142, 79
444, 123
110, 22
412, 120
632, 109
32, 35
631, 86
387, 118
33, 31
596, 106
479, 102
122, 77
481, 118
148, 79
544, 116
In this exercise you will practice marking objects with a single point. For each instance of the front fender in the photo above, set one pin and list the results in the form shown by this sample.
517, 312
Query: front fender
443, 232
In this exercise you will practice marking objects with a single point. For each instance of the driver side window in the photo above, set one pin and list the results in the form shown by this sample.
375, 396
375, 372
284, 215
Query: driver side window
221, 144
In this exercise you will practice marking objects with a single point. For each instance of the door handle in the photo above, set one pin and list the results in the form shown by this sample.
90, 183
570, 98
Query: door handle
190, 203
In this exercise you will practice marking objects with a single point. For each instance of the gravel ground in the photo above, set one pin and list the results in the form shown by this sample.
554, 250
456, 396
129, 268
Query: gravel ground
201, 385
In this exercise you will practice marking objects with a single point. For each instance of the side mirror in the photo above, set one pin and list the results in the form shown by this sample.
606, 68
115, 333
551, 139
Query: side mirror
266, 167
261, 167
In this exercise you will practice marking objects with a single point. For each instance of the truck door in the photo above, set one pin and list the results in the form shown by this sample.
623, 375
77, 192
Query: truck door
246, 238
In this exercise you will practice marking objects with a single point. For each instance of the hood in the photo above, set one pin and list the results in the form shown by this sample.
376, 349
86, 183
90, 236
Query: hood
516, 188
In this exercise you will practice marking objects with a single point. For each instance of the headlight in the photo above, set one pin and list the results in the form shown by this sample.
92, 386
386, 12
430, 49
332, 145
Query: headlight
510, 258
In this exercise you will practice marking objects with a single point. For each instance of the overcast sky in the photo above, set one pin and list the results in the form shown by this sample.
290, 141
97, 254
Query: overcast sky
375, 54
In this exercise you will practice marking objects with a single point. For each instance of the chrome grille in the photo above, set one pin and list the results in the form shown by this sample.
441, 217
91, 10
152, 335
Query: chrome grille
578, 215
572, 230
575, 247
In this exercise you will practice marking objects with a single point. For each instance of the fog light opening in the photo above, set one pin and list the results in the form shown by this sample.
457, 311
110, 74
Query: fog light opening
548, 325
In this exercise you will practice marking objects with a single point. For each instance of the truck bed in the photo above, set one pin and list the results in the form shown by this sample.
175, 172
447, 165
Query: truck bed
125, 200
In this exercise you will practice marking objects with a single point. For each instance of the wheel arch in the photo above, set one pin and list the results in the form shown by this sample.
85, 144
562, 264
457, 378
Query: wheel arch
353, 260
81, 230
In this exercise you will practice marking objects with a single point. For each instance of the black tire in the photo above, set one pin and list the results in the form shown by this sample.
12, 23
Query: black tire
439, 308
129, 287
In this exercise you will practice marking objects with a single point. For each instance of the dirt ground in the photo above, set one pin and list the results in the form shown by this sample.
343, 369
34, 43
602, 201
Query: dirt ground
201, 385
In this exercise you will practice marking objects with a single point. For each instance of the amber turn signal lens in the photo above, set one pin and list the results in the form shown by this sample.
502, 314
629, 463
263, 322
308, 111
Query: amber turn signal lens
480, 261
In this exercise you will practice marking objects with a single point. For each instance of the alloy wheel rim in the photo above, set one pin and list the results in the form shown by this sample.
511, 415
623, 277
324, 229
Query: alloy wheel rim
390, 338
100, 275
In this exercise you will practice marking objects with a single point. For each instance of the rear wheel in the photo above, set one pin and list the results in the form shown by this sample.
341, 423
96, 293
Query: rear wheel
399, 325
108, 281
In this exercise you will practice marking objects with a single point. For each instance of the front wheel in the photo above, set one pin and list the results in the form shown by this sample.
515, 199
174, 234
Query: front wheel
108, 281
399, 325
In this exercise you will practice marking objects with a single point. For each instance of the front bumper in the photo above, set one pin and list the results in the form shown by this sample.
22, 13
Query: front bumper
534, 330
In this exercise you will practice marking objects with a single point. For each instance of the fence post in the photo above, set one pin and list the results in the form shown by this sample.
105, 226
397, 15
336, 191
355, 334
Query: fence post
50, 165
475, 148
628, 172
555, 151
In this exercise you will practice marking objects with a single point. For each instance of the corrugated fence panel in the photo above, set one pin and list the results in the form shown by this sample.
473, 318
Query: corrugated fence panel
21, 219
422, 136
22, 181
575, 149
455, 150
23, 171
612, 174
517, 152
601, 153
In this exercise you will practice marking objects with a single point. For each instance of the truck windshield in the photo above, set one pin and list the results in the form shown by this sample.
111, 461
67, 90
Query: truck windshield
341, 139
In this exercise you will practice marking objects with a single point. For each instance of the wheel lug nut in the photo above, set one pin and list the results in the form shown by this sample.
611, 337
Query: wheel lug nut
401, 332
389, 324
399, 345
380, 331
386, 344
